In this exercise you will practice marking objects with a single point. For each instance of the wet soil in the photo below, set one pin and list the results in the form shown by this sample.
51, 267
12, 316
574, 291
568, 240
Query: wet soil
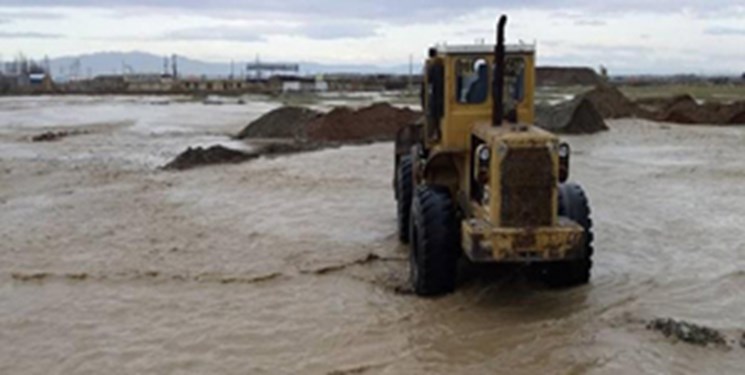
291, 265
577, 116
380, 121
681, 109
688, 332
50, 136
284, 122
610, 102
197, 157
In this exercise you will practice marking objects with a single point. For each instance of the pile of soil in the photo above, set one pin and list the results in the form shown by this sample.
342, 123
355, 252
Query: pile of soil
738, 118
578, 116
566, 76
378, 122
51, 136
688, 332
660, 104
305, 130
611, 102
197, 157
684, 109
285, 122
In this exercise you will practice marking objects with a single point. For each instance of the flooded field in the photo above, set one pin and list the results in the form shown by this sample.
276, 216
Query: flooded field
291, 265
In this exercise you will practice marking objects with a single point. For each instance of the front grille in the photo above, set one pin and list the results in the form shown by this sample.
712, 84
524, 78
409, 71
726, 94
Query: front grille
527, 186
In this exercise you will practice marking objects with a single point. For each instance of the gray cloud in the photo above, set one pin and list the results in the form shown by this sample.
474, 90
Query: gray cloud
392, 10
28, 35
216, 33
338, 30
620, 51
328, 30
589, 22
15, 15
724, 30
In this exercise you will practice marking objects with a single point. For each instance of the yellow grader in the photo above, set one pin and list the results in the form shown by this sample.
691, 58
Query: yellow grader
476, 178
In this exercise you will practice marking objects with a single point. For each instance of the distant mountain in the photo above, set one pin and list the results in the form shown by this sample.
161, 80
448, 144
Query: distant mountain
142, 62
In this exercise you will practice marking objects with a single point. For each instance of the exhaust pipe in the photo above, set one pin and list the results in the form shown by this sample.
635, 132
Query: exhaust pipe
498, 82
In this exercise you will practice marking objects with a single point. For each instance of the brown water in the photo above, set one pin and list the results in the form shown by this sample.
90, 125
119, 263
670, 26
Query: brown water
108, 265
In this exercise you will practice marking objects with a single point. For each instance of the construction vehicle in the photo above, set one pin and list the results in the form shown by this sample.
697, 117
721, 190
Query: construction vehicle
476, 178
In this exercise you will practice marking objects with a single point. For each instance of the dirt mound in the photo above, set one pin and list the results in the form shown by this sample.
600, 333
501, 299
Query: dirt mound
684, 109
566, 76
196, 157
52, 136
380, 121
661, 104
688, 332
578, 116
738, 118
611, 102
285, 122
727, 114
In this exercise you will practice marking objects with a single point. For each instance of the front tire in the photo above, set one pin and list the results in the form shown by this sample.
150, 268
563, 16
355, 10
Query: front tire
435, 236
404, 192
573, 204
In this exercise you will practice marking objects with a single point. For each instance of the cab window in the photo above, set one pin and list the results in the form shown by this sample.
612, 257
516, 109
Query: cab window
472, 80
515, 78
514, 83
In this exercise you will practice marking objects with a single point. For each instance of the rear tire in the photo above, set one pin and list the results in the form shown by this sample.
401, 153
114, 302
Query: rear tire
435, 236
404, 192
574, 205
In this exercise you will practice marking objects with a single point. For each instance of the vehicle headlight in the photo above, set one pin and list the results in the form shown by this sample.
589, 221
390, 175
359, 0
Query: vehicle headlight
484, 154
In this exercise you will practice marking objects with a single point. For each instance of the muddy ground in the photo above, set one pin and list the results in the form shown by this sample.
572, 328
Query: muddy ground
291, 265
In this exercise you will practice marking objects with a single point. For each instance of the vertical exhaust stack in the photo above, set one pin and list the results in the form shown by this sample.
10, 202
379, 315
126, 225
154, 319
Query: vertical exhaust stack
498, 82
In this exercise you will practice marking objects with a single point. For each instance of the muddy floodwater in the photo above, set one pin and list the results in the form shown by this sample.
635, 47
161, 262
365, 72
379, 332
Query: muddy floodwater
291, 265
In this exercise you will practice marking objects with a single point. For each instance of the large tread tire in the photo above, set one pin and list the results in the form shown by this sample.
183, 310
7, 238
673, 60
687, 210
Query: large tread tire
404, 192
573, 204
435, 235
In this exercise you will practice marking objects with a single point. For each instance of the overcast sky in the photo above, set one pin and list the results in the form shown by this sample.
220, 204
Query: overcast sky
633, 36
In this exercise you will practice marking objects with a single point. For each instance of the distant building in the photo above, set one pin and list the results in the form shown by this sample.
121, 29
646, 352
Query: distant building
214, 85
291, 84
148, 83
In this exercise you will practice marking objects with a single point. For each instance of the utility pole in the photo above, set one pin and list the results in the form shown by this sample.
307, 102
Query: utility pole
174, 65
258, 69
411, 74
